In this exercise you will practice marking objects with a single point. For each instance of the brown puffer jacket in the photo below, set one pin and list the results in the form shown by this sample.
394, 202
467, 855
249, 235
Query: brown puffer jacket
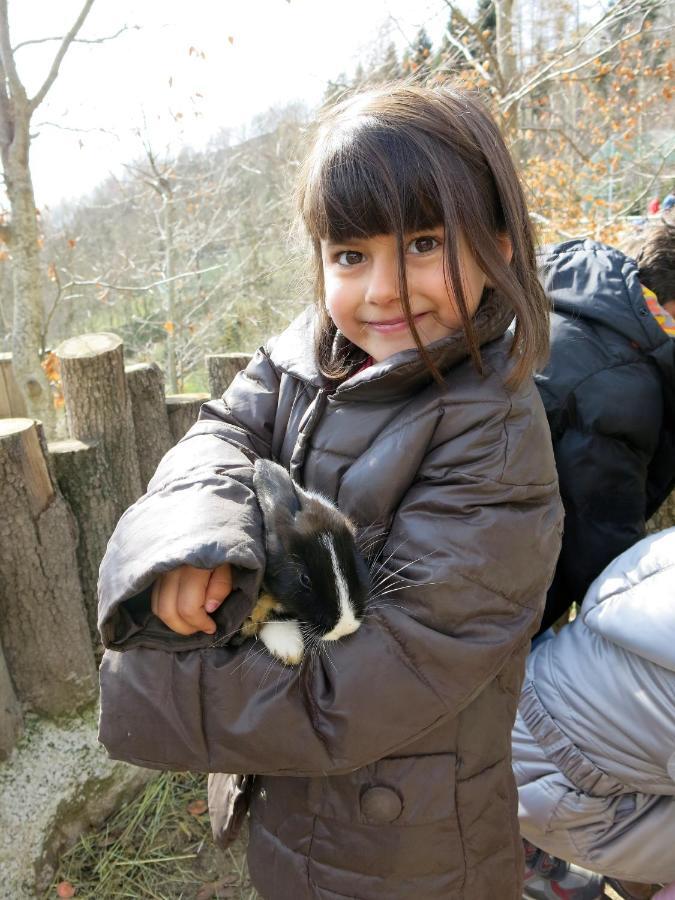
386, 770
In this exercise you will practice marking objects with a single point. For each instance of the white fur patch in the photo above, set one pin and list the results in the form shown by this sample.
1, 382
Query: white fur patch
283, 640
347, 622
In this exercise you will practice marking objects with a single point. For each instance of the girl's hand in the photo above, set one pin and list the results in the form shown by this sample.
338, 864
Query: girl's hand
182, 597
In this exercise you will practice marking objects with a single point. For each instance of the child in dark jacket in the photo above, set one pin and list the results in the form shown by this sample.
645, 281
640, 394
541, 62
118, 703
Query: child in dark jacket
382, 765
609, 394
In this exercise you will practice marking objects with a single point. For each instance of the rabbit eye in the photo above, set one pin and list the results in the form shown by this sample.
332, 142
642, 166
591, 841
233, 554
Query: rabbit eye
305, 580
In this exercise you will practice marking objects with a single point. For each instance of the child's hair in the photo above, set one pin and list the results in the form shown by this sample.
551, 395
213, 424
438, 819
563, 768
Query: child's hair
401, 158
656, 262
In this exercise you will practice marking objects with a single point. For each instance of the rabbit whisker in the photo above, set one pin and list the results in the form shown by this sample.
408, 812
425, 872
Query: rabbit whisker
324, 649
221, 640
395, 550
266, 673
251, 654
405, 566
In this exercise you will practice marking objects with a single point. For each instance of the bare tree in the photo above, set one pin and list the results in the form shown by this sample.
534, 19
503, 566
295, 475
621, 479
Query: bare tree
22, 232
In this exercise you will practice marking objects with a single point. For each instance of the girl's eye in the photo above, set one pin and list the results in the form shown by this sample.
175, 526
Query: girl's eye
305, 581
349, 258
423, 244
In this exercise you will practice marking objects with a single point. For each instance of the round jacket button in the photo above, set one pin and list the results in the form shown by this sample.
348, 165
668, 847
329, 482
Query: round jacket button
381, 804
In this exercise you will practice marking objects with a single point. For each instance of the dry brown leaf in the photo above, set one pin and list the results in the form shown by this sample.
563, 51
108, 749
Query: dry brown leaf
65, 889
197, 807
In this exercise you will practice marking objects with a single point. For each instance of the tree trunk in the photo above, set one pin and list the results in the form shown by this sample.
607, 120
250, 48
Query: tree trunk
27, 333
84, 480
12, 403
11, 721
506, 58
43, 623
98, 407
222, 367
151, 422
170, 290
183, 410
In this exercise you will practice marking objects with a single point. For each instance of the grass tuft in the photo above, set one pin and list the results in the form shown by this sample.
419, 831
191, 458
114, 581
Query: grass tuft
154, 847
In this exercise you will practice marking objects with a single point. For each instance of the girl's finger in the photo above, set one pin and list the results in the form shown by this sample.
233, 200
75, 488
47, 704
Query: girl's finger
167, 603
219, 586
192, 597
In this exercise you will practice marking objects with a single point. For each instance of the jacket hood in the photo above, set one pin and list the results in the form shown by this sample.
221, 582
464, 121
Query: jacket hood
631, 602
592, 281
399, 374
588, 280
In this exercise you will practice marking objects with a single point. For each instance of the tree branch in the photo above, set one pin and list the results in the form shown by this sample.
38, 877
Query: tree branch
147, 287
101, 40
67, 41
549, 72
13, 80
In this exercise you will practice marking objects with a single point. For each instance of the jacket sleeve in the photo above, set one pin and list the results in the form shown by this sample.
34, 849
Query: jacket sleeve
460, 587
612, 421
200, 510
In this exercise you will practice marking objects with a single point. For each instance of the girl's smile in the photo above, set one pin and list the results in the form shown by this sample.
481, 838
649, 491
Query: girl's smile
363, 295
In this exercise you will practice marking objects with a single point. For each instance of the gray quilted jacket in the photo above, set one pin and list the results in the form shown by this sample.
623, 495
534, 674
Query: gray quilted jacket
596, 768
384, 772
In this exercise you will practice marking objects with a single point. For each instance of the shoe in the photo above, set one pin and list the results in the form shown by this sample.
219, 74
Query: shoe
550, 878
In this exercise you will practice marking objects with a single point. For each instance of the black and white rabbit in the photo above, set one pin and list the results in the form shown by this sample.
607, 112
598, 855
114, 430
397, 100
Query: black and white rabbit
316, 581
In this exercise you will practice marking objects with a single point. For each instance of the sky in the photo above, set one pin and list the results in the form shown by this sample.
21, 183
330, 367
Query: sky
183, 71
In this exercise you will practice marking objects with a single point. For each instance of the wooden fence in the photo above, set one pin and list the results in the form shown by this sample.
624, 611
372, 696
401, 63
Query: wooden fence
59, 503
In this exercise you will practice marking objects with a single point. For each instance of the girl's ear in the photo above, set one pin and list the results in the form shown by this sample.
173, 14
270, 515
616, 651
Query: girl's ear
505, 247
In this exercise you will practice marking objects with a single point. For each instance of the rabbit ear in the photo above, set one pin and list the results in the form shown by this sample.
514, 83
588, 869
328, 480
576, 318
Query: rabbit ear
277, 498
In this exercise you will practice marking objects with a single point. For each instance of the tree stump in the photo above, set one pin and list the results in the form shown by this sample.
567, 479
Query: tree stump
183, 410
222, 367
11, 721
43, 624
98, 407
12, 402
151, 422
86, 484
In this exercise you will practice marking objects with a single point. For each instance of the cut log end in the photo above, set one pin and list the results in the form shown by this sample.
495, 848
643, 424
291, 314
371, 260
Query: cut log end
15, 426
87, 345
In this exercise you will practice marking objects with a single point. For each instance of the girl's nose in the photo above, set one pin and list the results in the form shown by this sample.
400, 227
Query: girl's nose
383, 280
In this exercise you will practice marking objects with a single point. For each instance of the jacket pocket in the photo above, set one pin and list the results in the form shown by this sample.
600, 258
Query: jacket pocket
388, 824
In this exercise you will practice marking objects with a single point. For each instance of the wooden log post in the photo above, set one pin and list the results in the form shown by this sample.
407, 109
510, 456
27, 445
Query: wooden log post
43, 625
151, 421
222, 367
98, 407
85, 482
183, 410
12, 402
11, 721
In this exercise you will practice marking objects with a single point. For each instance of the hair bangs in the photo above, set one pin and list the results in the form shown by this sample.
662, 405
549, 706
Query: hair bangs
370, 181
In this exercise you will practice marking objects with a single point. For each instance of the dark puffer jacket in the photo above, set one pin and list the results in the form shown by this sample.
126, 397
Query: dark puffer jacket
609, 394
384, 772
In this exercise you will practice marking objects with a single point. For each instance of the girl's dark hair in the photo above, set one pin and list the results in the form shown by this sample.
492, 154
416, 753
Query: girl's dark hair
402, 158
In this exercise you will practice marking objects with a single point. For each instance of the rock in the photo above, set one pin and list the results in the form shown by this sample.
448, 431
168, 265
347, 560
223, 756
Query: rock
57, 782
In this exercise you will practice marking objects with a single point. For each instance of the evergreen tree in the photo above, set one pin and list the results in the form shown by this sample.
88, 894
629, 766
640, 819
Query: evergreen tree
390, 68
418, 59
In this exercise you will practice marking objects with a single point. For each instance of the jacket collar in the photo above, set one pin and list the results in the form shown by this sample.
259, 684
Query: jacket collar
398, 375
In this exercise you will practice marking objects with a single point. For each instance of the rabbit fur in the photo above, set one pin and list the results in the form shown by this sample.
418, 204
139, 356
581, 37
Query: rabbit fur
316, 581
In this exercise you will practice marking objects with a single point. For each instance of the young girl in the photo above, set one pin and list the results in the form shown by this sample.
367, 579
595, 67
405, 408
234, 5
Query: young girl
383, 770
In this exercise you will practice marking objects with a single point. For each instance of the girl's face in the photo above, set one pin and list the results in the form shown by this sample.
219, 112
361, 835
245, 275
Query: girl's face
363, 295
